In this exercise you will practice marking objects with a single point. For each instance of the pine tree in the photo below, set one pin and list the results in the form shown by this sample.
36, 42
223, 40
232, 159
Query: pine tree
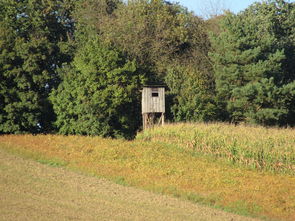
253, 64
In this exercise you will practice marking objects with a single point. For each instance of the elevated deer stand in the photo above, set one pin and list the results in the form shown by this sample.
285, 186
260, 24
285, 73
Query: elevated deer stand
153, 106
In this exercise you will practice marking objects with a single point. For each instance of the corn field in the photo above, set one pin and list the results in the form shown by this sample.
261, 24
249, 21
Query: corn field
269, 149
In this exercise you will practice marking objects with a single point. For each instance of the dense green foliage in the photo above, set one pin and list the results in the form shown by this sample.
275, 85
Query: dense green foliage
254, 64
91, 57
168, 43
32, 34
193, 94
99, 93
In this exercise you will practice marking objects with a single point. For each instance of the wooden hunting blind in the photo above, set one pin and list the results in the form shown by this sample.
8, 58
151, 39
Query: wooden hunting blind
153, 105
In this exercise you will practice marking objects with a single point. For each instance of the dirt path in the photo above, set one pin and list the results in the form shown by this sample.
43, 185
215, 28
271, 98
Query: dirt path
32, 191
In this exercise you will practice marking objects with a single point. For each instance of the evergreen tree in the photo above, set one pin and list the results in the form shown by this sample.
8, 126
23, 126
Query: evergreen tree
253, 64
99, 93
32, 43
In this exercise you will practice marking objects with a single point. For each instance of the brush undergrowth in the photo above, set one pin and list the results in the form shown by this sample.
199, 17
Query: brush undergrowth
162, 160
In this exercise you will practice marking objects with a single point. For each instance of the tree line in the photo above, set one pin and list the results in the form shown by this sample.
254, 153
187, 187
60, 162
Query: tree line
77, 67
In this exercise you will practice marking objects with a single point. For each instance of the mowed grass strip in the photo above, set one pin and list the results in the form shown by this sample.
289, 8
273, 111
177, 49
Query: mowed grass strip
167, 169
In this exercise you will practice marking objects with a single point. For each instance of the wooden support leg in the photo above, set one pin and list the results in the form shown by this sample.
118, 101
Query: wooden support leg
145, 121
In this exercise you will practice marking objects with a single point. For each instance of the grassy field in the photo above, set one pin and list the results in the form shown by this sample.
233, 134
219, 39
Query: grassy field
245, 170
33, 191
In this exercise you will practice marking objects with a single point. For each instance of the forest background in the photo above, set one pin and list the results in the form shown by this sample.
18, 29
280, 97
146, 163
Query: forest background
77, 67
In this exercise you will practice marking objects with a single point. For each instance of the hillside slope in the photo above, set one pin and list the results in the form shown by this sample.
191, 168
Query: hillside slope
32, 191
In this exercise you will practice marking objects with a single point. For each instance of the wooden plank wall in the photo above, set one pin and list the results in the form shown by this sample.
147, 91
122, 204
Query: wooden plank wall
152, 104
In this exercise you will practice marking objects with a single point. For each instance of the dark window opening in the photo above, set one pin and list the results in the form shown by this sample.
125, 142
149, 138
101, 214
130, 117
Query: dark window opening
155, 94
